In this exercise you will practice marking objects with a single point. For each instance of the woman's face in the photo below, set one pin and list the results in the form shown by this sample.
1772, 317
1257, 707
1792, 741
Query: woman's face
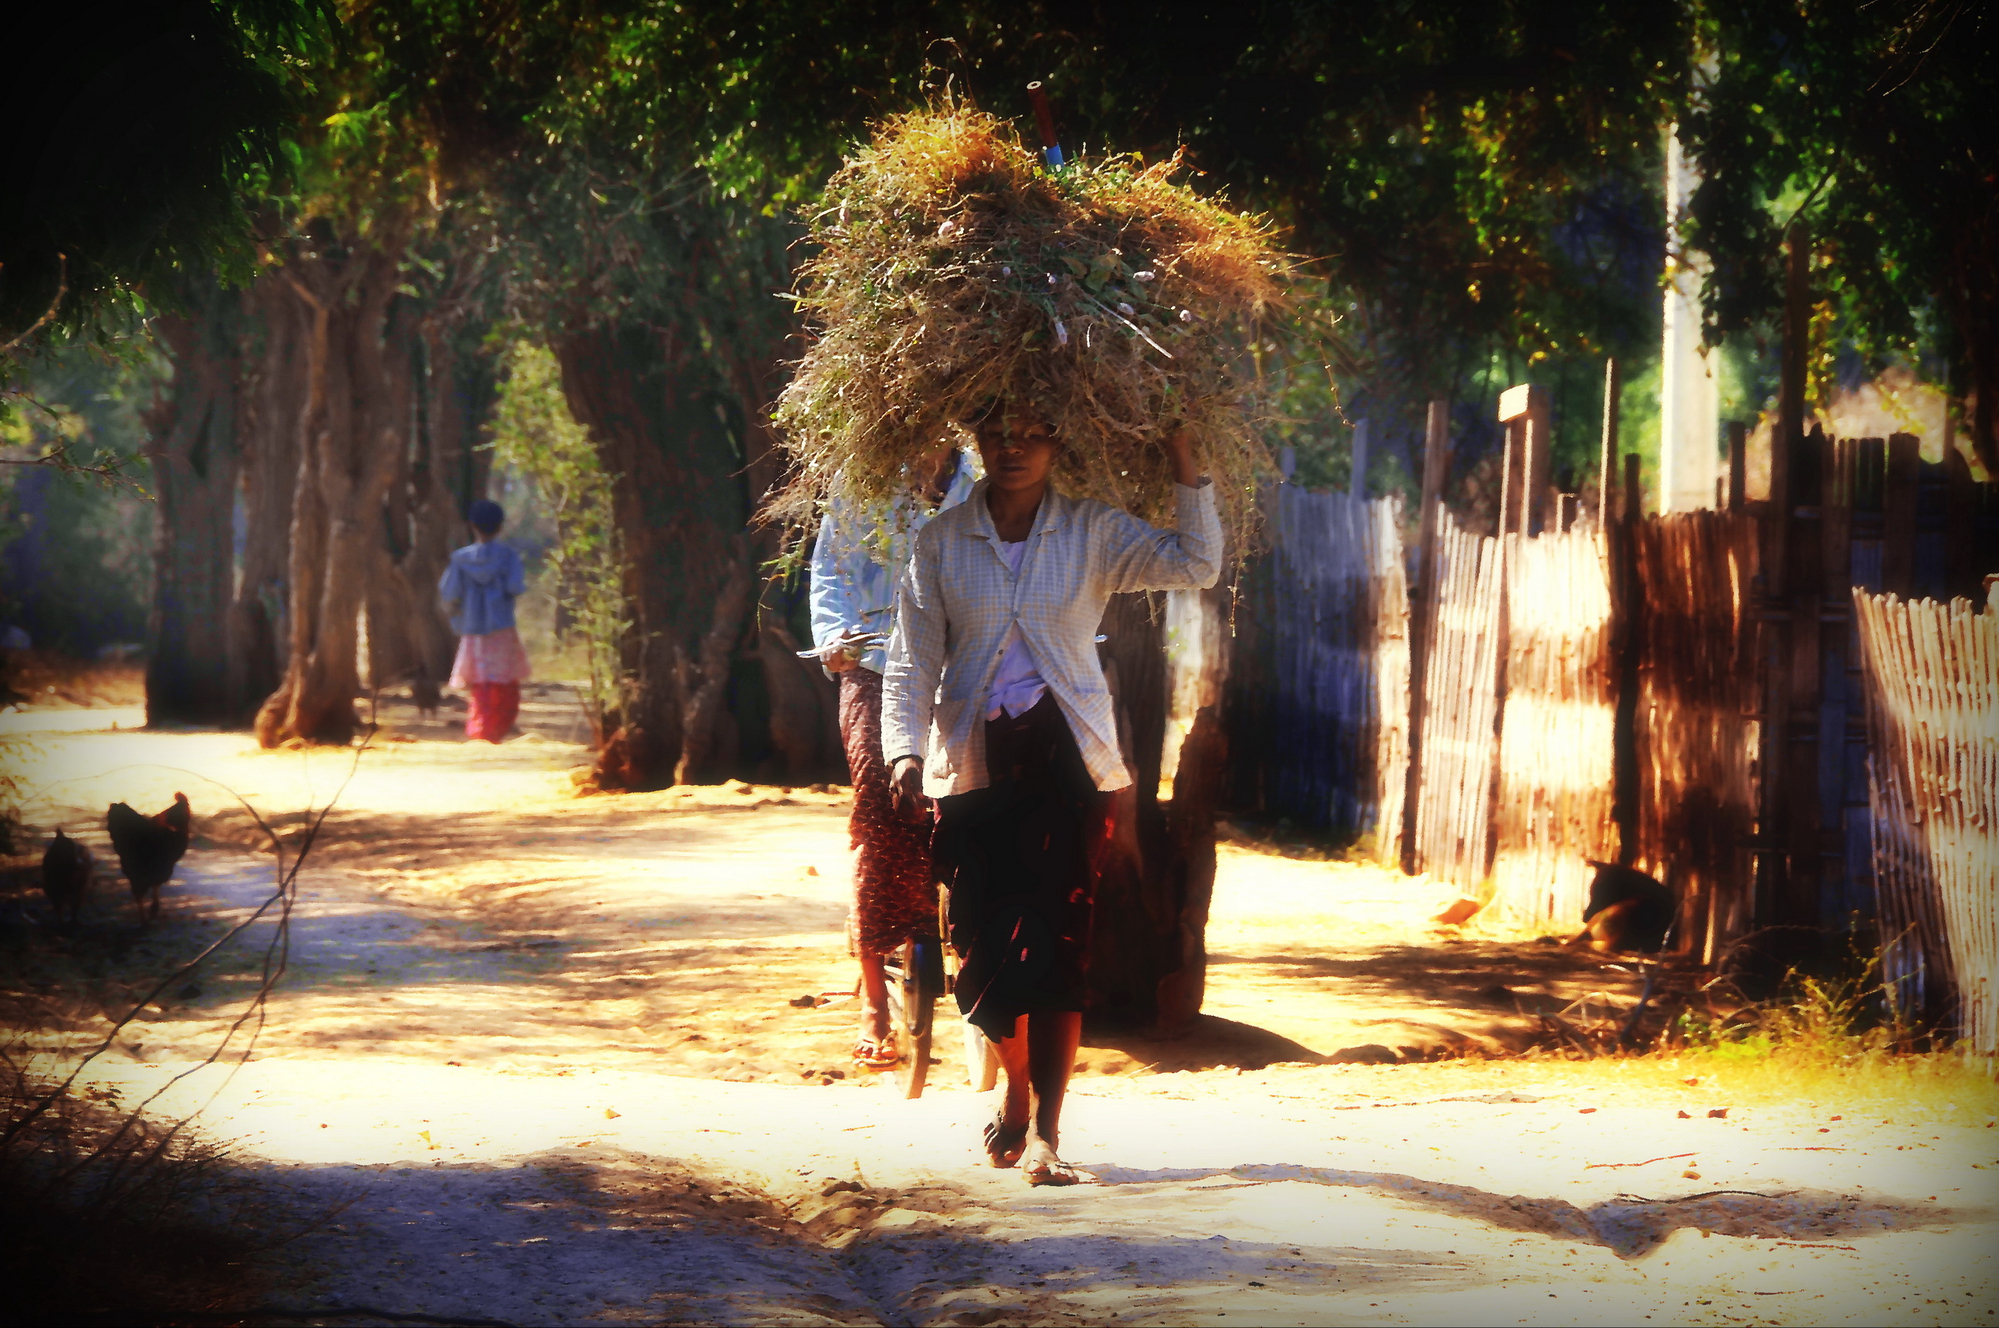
1018, 448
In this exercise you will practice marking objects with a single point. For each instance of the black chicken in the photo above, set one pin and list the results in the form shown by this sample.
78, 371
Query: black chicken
424, 692
149, 847
68, 871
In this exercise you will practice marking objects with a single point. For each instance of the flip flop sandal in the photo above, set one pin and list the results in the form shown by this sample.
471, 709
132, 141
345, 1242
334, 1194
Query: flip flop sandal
872, 1055
1003, 1145
1057, 1172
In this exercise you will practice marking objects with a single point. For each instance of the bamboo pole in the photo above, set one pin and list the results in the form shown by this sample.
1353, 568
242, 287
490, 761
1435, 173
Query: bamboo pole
1423, 600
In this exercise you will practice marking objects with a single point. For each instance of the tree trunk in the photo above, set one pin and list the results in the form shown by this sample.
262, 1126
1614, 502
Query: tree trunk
194, 449
649, 400
750, 346
352, 430
708, 741
435, 480
804, 705
274, 401
1148, 955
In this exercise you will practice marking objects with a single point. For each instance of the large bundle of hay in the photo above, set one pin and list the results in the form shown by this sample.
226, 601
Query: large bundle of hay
952, 270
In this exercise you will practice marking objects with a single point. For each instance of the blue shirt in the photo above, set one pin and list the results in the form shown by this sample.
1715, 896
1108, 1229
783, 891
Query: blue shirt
479, 587
859, 557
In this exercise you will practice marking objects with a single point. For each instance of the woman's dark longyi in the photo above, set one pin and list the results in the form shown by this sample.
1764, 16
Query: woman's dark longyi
1020, 859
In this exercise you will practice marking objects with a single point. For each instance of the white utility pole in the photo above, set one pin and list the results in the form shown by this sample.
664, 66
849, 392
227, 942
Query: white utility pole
1689, 401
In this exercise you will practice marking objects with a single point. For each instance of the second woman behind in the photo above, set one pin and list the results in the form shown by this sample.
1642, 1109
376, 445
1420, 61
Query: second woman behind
994, 703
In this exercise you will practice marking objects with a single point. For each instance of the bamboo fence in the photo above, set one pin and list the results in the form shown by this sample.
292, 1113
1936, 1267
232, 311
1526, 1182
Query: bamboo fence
1932, 675
1388, 603
1460, 700
1715, 697
1556, 742
1319, 683
1696, 734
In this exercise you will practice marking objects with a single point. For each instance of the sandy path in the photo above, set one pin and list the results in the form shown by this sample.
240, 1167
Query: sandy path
540, 1049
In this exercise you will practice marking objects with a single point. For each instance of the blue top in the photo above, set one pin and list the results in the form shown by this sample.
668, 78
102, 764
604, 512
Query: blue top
479, 587
859, 557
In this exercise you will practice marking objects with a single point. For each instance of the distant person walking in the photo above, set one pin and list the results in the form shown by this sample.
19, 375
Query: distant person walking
479, 589
855, 564
995, 705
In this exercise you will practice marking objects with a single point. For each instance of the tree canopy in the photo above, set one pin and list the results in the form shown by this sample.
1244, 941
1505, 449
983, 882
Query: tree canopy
1873, 126
1472, 181
145, 138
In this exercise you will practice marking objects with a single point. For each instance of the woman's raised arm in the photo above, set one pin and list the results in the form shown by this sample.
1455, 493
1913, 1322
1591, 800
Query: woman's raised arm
1137, 556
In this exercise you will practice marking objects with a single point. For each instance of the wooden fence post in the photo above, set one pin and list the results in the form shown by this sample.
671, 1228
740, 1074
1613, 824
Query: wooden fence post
1627, 592
1898, 515
1511, 460
1537, 501
1526, 497
1606, 473
1790, 406
1422, 614
1800, 662
1841, 723
1775, 611
1961, 511
1738, 465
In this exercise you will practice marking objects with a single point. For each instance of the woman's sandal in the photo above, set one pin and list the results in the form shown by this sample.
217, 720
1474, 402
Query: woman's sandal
1053, 1171
876, 1054
1004, 1144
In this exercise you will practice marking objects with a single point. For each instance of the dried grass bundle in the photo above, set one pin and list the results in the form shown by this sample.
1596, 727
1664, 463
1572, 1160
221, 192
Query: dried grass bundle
953, 270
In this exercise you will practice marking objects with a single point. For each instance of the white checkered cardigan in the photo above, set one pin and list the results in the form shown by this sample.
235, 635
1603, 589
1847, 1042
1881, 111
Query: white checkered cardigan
957, 601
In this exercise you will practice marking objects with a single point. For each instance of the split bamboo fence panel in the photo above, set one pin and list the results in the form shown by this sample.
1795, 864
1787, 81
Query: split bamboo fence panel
1460, 697
1388, 600
1319, 682
1556, 743
1932, 674
1695, 726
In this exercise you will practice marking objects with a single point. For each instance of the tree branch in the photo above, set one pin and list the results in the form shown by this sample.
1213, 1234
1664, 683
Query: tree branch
48, 315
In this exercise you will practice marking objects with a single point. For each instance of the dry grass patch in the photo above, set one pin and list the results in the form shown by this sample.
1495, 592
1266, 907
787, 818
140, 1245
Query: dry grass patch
107, 1215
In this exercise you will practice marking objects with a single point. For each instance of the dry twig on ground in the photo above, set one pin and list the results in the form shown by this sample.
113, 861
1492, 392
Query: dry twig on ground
105, 1211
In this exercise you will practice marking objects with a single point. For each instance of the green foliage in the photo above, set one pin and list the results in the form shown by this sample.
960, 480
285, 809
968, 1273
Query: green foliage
1871, 123
534, 435
76, 548
597, 237
1474, 181
141, 138
1822, 1021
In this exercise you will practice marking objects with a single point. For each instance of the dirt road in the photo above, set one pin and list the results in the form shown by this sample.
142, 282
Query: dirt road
539, 1052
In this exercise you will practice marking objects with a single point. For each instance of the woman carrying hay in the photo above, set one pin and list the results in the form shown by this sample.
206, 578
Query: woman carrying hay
995, 704
1091, 324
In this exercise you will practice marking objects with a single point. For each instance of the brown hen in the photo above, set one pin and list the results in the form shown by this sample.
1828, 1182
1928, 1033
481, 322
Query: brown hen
149, 847
68, 871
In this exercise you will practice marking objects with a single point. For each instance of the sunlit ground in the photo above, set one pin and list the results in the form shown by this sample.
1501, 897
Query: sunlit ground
542, 1047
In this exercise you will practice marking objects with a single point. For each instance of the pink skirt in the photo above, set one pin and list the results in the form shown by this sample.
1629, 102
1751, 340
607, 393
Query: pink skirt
494, 657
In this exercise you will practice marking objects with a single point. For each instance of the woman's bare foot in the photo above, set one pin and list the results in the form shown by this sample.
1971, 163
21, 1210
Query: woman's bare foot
1004, 1143
1040, 1166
